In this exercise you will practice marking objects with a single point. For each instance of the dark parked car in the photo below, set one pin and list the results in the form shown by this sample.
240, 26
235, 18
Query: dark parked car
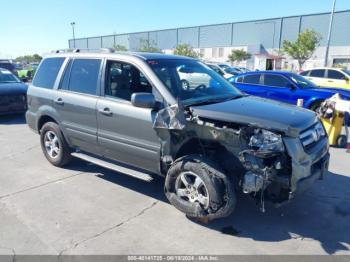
6, 64
131, 113
285, 87
13, 92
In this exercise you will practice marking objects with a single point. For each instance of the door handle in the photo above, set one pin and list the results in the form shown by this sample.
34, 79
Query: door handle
106, 111
59, 101
330, 81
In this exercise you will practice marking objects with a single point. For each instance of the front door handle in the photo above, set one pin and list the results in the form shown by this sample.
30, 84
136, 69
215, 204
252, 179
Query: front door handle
106, 111
59, 101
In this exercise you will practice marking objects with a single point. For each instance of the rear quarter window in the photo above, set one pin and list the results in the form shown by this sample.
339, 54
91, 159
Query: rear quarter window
46, 75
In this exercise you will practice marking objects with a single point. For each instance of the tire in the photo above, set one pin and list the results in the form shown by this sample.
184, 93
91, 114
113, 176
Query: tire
316, 106
209, 194
53, 145
342, 141
185, 84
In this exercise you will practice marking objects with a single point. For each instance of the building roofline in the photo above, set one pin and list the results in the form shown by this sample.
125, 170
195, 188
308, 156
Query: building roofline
206, 25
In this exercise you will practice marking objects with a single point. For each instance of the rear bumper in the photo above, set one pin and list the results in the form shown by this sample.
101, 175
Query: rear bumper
31, 121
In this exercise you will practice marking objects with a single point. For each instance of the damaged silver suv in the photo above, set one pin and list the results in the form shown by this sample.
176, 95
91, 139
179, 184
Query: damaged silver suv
135, 114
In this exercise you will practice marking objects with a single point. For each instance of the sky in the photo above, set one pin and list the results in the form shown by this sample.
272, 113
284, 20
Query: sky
39, 26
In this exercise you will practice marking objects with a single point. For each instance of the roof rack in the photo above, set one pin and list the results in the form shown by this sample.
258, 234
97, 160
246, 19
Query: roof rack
80, 50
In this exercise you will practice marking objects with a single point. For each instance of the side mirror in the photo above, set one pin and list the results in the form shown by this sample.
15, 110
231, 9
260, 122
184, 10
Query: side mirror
144, 100
346, 78
24, 79
291, 86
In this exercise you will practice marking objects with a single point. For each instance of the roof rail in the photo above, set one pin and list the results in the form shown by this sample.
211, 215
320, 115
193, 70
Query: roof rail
80, 50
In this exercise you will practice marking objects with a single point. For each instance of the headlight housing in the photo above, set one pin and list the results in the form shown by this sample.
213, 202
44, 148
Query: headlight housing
266, 141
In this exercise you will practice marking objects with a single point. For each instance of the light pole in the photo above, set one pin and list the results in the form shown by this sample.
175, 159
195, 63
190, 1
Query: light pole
73, 24
329, 34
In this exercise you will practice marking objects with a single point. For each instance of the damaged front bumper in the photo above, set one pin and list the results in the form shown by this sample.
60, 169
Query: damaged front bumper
307, 165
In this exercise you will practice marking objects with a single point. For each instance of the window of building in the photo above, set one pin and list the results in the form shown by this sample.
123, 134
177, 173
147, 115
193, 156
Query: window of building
122, 80
214, 52
84, 76
46, 75
317, 73
221, 52
334, 74
252, 79
275, 80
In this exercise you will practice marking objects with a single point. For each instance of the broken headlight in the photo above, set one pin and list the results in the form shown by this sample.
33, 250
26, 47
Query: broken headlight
266, 141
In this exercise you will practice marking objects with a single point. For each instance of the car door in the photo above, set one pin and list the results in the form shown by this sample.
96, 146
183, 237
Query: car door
126, 132
251, 84
75, 102
336, 78
277, 87
317, 76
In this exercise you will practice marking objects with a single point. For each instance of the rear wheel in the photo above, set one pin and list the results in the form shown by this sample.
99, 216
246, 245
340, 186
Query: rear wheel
53, 145
342, 141
196, 186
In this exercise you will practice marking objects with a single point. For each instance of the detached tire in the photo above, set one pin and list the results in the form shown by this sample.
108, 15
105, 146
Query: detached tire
342, 141
54, 146
197, 187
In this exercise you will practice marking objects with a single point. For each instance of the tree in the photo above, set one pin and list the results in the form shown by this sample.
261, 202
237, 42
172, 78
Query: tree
238, 55
120, 48
148, 46
304, 47
186, 50
29, 59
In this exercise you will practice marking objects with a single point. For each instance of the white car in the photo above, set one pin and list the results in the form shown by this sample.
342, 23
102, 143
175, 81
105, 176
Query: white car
219, 70
191, 80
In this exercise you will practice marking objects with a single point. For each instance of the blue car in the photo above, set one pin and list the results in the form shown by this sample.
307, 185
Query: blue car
285, 87
13, 93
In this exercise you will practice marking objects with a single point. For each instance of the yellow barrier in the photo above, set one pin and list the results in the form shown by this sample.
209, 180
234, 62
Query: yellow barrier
334, 127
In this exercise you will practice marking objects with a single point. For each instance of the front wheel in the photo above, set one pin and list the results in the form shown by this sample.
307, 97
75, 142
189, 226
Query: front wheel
196, 186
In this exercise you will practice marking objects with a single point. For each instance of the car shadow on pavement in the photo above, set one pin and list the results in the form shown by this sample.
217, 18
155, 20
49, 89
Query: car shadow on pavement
322, 214
12, 119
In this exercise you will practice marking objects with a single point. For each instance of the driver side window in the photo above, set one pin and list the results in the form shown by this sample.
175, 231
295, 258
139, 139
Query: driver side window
122, 80
275, 81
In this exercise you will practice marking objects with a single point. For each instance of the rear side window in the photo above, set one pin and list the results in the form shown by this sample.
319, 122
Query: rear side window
275, 80
317, 73
46, 75
252, 79
84, 76
333, 74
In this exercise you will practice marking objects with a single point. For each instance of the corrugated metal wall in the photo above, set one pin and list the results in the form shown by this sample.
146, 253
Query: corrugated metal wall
269, 33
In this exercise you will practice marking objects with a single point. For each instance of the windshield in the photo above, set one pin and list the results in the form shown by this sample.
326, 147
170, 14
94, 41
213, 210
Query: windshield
233, 71
346, 71
192, 82
302, 81
7, 77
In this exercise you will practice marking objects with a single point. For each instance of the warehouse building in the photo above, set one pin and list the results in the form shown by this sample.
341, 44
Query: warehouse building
263, 39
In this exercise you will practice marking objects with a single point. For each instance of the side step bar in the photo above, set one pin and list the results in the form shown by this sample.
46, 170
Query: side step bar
114, 167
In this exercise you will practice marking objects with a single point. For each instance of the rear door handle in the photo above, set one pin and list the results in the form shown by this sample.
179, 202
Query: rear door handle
59, 101
106, 111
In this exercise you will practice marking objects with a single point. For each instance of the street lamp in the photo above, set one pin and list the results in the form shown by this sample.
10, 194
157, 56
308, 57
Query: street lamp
73, 24
329, 34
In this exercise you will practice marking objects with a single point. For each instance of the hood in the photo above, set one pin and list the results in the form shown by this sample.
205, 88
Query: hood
259, 112
344, 93
13, 88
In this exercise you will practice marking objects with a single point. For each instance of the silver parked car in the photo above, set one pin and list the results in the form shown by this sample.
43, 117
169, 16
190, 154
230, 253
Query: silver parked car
131, 113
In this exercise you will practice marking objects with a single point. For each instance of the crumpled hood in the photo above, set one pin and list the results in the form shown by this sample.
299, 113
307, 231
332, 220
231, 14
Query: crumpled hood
259, 112
13, 89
